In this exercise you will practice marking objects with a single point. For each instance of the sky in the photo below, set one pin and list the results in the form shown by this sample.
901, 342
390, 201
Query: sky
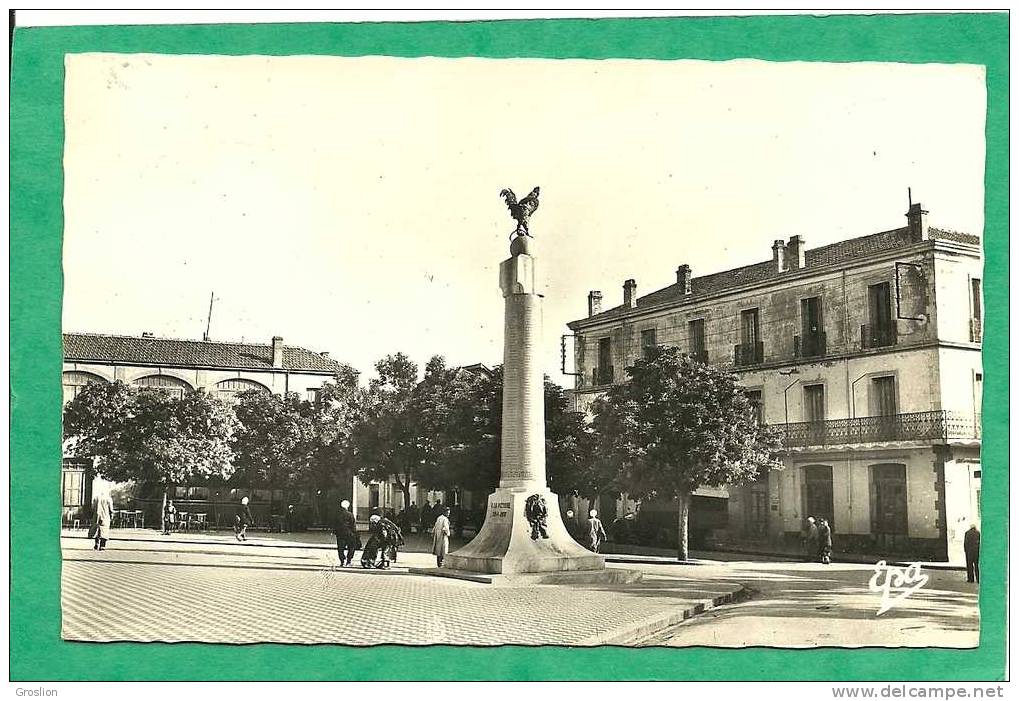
351, 205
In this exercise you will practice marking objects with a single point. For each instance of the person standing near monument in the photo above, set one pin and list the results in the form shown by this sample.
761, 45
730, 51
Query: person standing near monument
971, 546
572, 527
440, 536
595, 532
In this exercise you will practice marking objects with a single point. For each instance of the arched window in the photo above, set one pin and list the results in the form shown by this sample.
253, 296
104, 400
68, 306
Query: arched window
74, 380
228, 389
163, 383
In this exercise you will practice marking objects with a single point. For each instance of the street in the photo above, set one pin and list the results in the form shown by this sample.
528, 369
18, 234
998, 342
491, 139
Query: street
284, 588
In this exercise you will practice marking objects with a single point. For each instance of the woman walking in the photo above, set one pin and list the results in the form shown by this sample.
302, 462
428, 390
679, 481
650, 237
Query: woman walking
104, 520
440, 536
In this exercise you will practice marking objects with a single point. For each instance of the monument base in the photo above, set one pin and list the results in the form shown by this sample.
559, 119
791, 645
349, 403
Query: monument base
609, 575
504, 545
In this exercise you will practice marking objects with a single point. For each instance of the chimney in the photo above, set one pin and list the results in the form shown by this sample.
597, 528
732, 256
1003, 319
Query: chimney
778, 255
630, 293
324, 354
796, 251
683, 277
917, 218
277, 351
594, 302
147, 334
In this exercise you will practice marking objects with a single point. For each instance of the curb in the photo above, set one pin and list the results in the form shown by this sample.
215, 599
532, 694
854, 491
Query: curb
647, 627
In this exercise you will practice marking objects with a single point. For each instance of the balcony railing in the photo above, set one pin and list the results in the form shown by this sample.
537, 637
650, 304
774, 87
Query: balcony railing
935, 426
872, 336
748, 353
810, 345
604, 375
976, 330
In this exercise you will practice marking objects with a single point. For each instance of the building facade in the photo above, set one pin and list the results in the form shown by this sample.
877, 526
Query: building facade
178, 366
865, 353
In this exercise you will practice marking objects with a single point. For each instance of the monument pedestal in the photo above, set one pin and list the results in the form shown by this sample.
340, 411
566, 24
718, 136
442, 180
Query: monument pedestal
504, 544
504, 553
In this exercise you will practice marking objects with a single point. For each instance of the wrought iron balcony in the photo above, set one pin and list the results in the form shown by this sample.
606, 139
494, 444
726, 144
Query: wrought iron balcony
604, 375
748, 353
810, 345
933, 426
872, 336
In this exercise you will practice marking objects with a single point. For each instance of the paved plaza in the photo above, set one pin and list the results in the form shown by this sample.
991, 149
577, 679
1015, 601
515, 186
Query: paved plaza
288, 589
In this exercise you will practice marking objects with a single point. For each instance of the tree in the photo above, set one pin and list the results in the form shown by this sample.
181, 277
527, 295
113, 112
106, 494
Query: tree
150, 436
384, 436
677, 425
275, 439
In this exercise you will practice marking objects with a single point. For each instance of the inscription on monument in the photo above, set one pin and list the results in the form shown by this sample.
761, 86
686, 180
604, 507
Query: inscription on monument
499, 509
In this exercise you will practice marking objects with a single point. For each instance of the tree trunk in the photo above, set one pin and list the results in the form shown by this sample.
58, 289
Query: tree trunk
684, 525
405, 488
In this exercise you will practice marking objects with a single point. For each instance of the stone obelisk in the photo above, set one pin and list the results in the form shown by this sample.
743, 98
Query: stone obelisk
517, 538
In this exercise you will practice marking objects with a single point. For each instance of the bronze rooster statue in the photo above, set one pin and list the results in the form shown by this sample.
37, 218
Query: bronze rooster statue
521, 211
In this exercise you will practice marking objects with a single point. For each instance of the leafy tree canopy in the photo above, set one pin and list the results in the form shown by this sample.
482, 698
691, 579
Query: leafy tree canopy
150, 436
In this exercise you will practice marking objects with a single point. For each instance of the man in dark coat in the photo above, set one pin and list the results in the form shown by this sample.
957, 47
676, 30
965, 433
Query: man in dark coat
971, 544
345, 529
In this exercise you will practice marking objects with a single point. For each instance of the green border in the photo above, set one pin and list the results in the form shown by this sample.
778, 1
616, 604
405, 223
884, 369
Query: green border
37, 653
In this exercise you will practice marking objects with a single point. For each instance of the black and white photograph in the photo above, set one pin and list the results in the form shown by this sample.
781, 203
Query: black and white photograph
478, 352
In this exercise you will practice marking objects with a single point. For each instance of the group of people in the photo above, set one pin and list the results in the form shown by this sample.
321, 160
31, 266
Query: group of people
384, 538
817, 540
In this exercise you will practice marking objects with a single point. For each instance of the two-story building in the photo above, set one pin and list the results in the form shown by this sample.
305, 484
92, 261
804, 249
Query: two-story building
865, 352
177, 366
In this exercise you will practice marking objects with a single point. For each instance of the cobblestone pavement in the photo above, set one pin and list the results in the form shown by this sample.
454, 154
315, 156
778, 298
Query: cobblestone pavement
280, 592
192, 593
809, 605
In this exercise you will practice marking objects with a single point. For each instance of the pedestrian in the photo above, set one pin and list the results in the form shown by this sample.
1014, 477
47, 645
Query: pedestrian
440, 536
169, 517
426, 516
971, 545
290, 520
413, 517
244, 519
595, 531
824, 543
572, 527
811, 544
103, 509
345, 529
